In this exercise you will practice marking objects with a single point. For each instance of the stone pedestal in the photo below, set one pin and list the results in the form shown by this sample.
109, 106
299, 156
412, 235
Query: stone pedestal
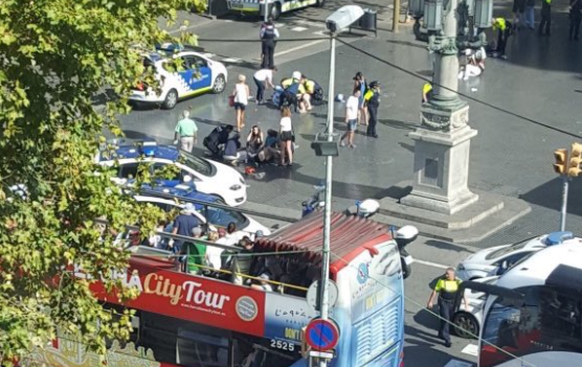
441, 163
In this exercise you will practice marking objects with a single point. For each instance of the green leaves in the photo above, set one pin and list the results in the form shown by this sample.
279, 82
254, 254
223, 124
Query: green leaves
54, 59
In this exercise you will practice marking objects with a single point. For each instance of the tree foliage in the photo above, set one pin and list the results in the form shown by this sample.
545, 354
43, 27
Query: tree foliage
55, 56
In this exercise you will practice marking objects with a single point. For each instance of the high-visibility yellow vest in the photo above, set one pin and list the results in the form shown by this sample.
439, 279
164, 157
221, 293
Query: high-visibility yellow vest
500, 24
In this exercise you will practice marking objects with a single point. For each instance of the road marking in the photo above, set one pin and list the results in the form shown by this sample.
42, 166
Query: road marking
430, 263
471, 349
184, 29
299, 29
310, 23
299, 47
232, 59
457, 363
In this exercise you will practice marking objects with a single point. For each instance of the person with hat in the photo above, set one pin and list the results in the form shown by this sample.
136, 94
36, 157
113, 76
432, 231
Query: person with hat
242, 261
361, 85
372, 101
263, 283
184, 223
446, 288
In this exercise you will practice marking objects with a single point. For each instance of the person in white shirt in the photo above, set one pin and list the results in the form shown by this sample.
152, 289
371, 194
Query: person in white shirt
241, 95
263, 283
352, 108
264, 79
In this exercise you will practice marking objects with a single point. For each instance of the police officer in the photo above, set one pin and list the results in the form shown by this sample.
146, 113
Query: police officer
446, 288
269, 35
546, 18
372, 101
503, 27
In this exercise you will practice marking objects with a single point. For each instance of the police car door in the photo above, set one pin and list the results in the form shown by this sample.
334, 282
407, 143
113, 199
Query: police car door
196, 74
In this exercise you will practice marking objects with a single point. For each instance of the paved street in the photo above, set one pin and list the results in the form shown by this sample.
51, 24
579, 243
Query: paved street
511, 156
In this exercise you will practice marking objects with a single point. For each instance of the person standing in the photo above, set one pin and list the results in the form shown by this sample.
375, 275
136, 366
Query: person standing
263, 79
518, 13
269, 35
352, 108
361, 85
286, 134
575, 18
184, 224
186, 132
546, 18
372, 101
530, 13
446, 288
503, 27
241, 93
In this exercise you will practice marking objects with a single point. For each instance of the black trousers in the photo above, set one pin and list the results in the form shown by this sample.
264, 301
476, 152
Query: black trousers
373, 119
545, 22
446, 312
502, 40
260, 90
289, 99
268, 47
575, 26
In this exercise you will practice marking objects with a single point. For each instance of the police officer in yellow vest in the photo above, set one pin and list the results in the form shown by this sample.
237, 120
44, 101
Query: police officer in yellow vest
503, 27
446, 288
546, 18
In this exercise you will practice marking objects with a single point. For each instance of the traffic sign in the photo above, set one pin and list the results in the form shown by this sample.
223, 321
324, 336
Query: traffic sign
322, 335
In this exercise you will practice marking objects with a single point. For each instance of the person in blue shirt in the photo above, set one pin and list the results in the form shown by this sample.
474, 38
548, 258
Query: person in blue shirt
184, 223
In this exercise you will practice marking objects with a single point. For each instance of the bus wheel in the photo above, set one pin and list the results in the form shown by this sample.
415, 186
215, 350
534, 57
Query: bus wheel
275, 11
466, 325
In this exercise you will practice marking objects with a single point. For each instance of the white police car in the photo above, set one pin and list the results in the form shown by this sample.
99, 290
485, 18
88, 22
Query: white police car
496, 260
468, 320
207, 176
199, 75
215, 216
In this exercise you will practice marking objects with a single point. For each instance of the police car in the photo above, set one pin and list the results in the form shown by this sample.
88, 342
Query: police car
199, 75
207, 176
468, 320
214, 216
496, 260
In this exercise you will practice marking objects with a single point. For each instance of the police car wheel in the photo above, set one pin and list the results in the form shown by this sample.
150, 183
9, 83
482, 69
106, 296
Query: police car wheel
219, 84
466, 325
276, 11
171, 100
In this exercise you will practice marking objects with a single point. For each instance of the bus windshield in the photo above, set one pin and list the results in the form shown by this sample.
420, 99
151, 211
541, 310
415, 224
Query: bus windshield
548, 319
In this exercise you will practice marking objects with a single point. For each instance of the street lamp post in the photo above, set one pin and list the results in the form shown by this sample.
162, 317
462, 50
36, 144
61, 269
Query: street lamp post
336, 23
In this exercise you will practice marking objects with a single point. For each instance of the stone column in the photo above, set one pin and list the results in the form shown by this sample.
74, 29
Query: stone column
442, 143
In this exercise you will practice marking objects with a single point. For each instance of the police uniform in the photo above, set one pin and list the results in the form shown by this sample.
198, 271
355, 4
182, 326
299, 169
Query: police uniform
268, 36
372, 100
447, 290
503, 27
427, 91
546, 18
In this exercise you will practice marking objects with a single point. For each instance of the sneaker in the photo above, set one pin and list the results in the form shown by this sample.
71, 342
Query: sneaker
448, 344
342, 144
504, 57
353, 146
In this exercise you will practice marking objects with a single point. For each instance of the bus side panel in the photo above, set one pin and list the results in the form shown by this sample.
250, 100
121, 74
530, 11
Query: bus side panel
370, 309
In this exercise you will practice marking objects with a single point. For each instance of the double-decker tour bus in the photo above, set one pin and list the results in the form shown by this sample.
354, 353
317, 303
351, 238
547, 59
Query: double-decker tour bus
535, 316
184, 319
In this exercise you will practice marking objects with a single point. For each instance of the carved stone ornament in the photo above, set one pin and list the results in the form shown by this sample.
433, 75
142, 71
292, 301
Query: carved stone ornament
443, 45
445, 122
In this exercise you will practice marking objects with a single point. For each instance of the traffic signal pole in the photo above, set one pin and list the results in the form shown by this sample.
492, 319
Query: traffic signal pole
565, 188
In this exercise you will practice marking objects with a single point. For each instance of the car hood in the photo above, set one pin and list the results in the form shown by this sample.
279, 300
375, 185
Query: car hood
222, 181
479, 258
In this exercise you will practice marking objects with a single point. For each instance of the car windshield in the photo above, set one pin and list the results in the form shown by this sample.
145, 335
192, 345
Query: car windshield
222, 217
507, 250
197, 164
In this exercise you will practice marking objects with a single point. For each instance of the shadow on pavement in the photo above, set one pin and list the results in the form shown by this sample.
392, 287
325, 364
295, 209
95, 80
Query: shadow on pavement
445, 246
549, 195
397, 124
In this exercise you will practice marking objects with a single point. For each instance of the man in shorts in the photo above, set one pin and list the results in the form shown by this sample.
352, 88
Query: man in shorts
352, 108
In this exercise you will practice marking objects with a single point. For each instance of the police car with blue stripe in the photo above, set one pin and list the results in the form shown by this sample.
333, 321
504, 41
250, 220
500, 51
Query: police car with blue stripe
198, 74
214, 216
206, 176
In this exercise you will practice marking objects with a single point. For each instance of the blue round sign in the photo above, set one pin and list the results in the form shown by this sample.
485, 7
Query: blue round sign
363, 273
322, 335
